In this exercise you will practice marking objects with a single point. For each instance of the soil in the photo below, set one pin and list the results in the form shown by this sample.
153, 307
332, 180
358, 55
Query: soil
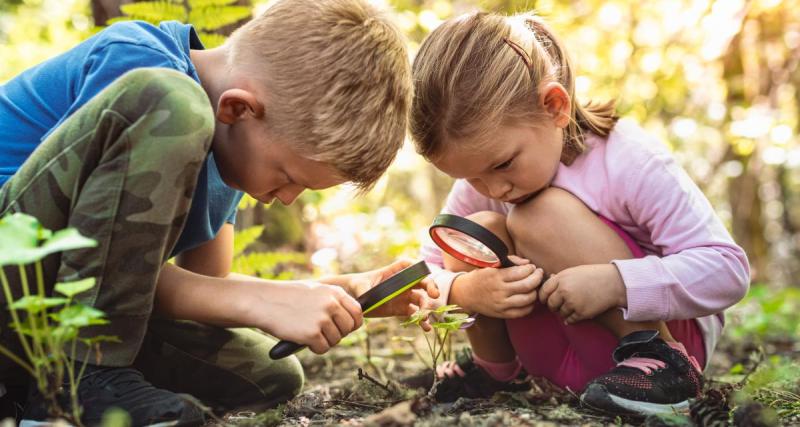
358, 383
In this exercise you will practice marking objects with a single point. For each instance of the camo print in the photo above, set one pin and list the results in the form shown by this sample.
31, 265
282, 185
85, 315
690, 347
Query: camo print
122, 170
225, 368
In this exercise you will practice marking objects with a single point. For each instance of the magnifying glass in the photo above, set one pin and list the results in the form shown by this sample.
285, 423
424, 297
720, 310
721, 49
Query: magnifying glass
377, 296
469, 241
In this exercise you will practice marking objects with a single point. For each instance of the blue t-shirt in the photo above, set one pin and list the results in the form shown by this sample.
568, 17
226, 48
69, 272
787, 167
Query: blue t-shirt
38, 100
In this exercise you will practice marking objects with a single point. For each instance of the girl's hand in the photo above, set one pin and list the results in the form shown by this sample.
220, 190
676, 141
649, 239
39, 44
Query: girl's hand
422, 295
583, 292
504, 293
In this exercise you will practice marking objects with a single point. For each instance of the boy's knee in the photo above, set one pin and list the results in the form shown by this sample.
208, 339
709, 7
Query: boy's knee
290, 378
541, 218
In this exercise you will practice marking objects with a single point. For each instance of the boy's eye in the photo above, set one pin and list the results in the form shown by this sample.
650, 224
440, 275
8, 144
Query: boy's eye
504, 165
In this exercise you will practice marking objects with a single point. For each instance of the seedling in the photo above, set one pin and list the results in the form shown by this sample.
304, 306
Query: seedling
47, 327
444, 320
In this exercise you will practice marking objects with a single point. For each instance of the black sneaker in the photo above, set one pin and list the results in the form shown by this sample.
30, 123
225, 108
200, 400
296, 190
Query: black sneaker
651, 377
102, 388
475, 382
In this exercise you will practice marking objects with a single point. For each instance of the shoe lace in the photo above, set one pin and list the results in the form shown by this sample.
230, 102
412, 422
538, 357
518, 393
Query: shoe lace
644, 364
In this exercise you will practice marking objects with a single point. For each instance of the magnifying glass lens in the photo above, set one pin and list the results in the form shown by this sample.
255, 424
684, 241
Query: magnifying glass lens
466, 245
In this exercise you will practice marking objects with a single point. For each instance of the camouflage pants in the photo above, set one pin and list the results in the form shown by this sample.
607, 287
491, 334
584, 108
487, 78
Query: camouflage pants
122, 170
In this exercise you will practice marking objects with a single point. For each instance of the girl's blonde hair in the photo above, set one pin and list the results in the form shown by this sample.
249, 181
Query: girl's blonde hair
479, 71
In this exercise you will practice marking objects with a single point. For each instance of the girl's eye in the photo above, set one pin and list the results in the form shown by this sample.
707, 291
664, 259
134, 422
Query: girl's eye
504, 165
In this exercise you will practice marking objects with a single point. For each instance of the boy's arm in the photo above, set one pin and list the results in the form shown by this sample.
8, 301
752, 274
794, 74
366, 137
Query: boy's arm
213, 258
305, 312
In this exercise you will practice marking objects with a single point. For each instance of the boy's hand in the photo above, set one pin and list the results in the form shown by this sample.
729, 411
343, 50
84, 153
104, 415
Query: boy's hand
504, 293
311, 313
405, 304
583, 292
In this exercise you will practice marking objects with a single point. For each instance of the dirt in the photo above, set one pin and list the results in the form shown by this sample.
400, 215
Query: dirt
358, 383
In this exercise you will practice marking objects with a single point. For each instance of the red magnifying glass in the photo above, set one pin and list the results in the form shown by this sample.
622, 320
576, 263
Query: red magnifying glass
468, 241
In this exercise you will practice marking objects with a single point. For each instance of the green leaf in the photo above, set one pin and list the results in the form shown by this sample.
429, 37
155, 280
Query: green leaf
155, 11
100, 338
245, 238
21, 235
36, 303
195, 4
67, 239
213, 17
19, 238
212, 40
70, 289
80, 315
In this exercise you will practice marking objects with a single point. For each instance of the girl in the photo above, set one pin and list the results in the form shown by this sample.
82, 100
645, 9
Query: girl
642, 267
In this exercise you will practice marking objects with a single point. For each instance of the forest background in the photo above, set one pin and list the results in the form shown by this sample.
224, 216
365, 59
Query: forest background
717, 81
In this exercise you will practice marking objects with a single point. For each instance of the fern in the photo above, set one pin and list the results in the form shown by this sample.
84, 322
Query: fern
197, 4
211, 40
245, 238
155, 11
205, 15
213, 17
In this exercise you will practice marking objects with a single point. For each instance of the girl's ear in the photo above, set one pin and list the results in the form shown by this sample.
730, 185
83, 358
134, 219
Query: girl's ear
237, 104
555, 100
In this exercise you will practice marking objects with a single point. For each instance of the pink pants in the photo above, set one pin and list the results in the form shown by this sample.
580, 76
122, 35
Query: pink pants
572, 355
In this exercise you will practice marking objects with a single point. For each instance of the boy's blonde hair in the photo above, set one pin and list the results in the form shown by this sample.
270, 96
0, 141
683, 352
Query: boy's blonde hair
480, 71
338, 80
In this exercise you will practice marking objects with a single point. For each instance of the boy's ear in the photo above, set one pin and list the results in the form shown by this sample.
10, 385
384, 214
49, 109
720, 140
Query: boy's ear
555, 100
235, 104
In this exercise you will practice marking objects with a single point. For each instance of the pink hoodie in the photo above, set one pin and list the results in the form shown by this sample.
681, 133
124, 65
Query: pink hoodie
693, 268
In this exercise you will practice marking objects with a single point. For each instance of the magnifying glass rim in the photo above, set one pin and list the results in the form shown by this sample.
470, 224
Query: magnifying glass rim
471, 229
393, 286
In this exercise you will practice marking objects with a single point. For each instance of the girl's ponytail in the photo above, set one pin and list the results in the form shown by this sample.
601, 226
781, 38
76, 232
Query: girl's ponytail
598, 118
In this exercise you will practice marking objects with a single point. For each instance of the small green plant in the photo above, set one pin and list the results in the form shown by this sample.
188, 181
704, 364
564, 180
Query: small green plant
444, 320
47, 326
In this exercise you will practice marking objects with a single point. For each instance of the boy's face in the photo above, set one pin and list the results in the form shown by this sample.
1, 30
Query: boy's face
512, 165
249, 159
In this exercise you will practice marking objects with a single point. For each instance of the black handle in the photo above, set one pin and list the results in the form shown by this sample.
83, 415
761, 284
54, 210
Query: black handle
283, 349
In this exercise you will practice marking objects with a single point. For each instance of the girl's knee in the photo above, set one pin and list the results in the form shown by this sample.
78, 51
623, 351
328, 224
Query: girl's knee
541, 218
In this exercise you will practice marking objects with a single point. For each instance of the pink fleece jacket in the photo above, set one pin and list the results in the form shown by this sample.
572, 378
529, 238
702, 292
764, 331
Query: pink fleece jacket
693, 268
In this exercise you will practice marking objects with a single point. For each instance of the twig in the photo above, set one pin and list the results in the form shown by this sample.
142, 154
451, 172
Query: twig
365, 376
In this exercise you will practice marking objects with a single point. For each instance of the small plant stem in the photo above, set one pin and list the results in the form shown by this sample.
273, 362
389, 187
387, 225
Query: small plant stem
17, 323
433, 361
36, 336
14, 358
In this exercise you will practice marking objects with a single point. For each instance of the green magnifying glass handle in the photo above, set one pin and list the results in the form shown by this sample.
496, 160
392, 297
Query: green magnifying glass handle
370, 300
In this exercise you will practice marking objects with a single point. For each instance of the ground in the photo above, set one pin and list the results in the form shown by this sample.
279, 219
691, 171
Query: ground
336, 394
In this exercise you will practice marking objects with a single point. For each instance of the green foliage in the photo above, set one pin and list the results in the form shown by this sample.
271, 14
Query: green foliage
206, 16
767, 314
47, 327
776, 383
268, 265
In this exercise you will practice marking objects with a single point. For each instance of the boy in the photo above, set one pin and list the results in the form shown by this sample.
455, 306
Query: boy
146, 142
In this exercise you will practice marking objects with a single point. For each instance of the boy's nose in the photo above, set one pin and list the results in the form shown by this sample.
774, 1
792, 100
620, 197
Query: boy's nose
288, 193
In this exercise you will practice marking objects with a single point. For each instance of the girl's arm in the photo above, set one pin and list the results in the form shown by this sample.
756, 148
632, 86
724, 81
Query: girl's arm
702, 271
463, 200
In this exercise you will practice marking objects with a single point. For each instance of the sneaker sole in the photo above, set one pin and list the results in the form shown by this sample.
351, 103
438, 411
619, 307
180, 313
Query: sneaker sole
598, 398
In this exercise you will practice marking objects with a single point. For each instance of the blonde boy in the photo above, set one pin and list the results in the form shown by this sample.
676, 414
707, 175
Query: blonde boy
146, 142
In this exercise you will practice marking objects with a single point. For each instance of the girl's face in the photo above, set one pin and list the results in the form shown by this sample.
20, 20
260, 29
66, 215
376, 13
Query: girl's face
512, 165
